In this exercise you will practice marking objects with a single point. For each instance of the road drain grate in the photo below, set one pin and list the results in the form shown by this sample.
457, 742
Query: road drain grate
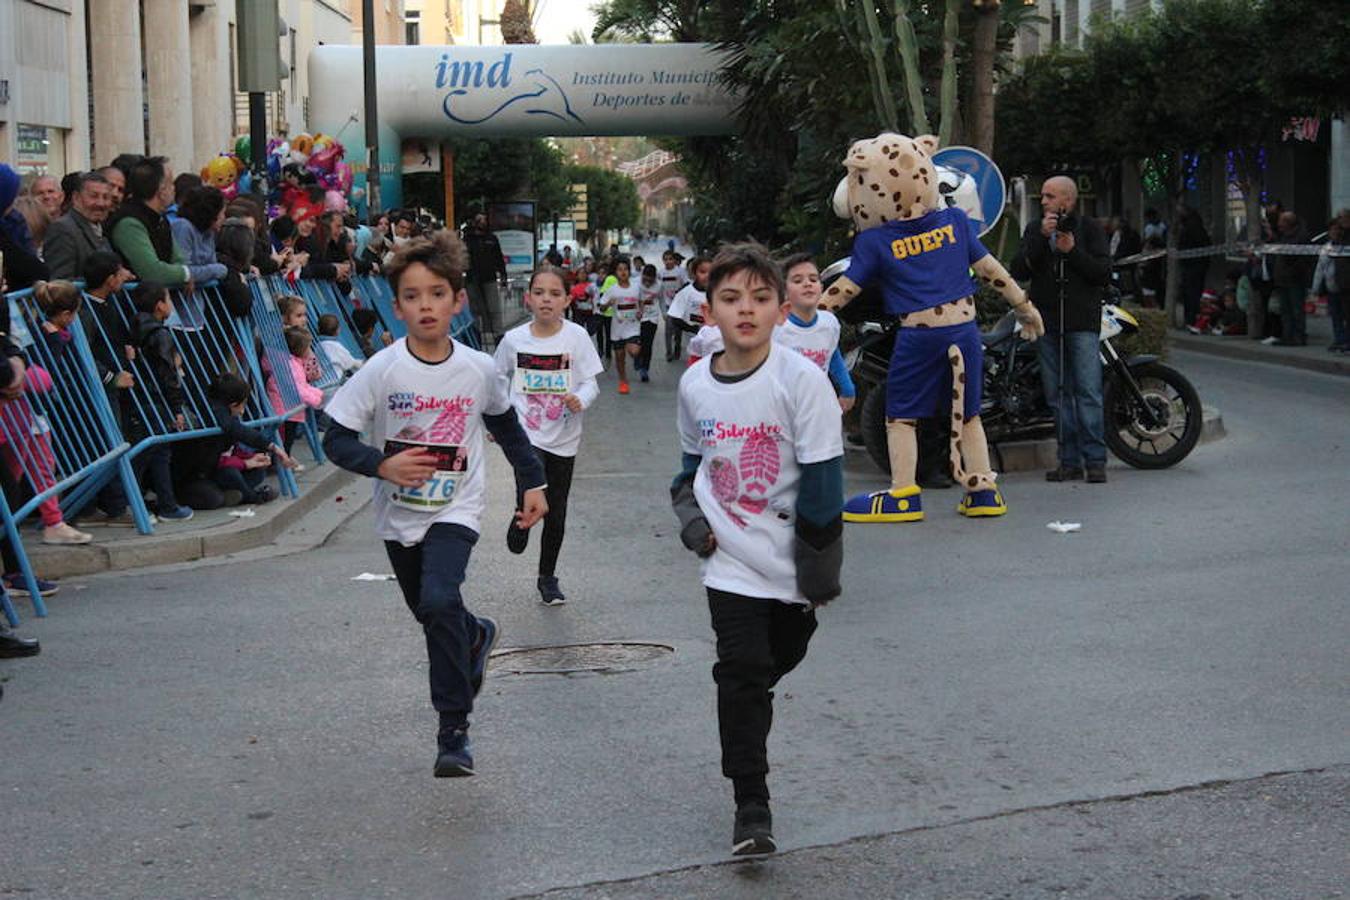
565, 659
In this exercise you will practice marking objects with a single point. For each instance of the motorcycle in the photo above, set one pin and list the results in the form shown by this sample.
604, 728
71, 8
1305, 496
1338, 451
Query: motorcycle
1152, 412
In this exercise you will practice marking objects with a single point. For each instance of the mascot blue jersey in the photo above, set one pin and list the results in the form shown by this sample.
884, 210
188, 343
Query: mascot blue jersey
918, 263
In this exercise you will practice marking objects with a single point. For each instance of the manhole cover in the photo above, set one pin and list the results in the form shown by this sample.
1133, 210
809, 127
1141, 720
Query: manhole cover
562, 659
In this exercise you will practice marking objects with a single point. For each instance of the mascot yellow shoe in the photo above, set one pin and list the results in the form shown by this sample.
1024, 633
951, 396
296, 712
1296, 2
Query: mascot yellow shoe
904, 505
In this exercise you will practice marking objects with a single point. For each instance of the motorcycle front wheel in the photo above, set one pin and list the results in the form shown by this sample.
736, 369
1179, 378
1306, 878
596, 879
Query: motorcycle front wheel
1176, 408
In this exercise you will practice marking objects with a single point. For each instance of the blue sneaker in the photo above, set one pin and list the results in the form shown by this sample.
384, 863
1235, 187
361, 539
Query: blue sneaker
904, 505
478, 657
980, 504
454, 757
17, 587
181, 514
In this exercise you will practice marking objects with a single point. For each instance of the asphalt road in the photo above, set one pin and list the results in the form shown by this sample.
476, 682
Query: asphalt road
261, 728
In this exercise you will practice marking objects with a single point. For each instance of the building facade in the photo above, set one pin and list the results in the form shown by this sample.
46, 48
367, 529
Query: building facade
151, 76
438, 23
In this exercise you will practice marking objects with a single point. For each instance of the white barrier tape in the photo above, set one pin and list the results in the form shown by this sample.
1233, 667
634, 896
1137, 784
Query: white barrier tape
1241, 248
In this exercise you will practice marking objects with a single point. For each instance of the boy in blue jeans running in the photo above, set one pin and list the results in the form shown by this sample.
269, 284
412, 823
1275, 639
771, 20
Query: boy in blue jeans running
426, 401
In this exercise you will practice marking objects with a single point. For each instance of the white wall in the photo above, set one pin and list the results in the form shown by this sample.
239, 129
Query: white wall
37, 45
1340, 165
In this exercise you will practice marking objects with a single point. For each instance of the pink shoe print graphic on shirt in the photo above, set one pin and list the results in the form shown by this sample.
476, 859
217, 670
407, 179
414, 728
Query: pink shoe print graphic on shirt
726, 485
759, 465
448, 427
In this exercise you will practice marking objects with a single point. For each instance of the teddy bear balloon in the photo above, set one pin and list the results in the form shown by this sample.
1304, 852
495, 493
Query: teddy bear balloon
920, 254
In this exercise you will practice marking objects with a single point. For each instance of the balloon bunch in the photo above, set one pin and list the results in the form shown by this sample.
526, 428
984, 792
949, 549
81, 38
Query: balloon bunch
304, 169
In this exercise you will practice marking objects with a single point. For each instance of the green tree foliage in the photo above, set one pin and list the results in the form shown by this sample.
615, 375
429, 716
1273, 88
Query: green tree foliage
1196, 76
1035, 111
813, 75
611, 199
647, 21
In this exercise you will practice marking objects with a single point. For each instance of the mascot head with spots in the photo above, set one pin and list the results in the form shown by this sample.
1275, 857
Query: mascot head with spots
890, 177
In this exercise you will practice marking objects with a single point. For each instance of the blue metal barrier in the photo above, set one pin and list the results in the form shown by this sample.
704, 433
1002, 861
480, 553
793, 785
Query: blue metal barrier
375, 293
57, 434
275, 363
217, 343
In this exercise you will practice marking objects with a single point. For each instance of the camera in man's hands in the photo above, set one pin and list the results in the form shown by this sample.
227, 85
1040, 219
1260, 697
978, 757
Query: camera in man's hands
1066, 222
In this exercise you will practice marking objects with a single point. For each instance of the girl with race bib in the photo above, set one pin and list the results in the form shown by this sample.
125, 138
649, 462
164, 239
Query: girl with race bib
549, 366
622, 300
649, 292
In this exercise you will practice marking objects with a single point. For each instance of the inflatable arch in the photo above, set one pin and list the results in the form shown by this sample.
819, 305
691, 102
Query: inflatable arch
517, 90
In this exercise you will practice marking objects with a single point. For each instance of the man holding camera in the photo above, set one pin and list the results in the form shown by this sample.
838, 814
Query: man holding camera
1068, 262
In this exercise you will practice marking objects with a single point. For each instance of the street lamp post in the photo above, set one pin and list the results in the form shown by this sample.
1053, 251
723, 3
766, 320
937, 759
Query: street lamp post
372, 121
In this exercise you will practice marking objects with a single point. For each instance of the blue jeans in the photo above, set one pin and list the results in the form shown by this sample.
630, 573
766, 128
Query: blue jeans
1338, 305
1293, 316
1081, 423
429, 574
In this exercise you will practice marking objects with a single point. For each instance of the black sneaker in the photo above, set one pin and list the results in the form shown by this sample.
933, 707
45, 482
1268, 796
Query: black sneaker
1096, 474
550, 594
1065, 473
478, 656
754, 830
517, 539
454, 757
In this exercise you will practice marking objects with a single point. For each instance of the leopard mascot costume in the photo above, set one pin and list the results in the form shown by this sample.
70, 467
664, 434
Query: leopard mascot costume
920, 254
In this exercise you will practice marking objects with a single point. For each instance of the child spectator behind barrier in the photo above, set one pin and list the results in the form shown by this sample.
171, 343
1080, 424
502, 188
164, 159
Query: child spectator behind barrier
295, 314
154, 344
110, 343
234, 250
25, 438
364, 321
338, 355
210, 469
298, 343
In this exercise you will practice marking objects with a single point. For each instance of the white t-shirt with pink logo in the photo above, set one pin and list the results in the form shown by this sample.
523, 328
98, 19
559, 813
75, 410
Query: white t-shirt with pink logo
540, 372
817, 341
400, 401
754, 435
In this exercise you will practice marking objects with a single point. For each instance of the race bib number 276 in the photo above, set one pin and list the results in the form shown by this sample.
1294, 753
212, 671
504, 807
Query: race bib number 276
438, 491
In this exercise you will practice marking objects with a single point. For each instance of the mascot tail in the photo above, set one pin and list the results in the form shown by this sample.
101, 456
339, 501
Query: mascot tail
958, 362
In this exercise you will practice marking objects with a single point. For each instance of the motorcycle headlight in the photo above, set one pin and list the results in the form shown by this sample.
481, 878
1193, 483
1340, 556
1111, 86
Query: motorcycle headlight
851, 358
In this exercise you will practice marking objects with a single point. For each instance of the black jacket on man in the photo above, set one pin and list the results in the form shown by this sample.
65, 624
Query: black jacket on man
22, 267
1088, 270
1292, 271
486, 263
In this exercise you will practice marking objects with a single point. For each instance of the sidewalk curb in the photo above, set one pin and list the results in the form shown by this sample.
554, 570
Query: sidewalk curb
1253, 351
1028, 456
140, 551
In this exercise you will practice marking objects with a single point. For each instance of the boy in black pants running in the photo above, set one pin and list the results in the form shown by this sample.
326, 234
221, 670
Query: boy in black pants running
426, 401
759, 499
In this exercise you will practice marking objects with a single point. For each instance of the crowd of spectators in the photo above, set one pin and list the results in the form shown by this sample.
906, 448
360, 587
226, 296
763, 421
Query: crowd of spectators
135, 220
1265, 297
